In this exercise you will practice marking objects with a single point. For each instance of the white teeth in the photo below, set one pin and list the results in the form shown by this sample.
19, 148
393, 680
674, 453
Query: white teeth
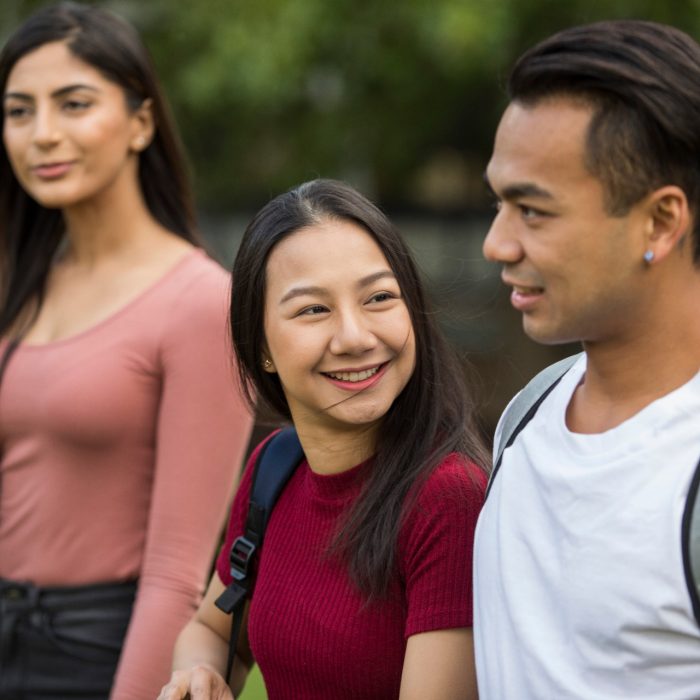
353, 376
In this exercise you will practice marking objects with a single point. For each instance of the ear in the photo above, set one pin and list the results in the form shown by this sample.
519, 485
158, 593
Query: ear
143, 126
668, 220
267, 364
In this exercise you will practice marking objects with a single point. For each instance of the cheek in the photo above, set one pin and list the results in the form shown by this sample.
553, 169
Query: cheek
13, 143
106, 136
402, 335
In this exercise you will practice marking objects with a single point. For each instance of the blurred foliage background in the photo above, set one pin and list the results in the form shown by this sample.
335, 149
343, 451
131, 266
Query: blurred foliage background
399, 98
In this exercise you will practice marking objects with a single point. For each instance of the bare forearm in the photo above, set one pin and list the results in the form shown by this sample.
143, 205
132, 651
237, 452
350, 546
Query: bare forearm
200, 645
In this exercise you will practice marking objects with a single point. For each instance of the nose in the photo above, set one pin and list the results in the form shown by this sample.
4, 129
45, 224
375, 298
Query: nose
501, 243
352, 334
46, 130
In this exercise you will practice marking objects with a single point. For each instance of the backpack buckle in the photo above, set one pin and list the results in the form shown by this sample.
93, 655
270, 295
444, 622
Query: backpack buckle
242, 552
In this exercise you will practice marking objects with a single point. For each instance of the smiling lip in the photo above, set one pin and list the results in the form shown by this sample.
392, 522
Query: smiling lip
523, 297
52, 171
356, 379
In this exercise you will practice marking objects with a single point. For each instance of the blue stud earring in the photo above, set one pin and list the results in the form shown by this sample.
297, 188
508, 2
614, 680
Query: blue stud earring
648, 256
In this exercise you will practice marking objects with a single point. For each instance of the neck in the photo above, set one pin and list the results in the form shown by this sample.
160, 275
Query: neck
112, 224
330, 451
627, 373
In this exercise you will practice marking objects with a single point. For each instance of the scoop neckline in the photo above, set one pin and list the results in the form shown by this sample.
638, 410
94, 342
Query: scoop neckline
118, 313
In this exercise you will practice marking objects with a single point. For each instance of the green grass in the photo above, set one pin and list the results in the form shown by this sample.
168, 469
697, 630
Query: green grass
254, 687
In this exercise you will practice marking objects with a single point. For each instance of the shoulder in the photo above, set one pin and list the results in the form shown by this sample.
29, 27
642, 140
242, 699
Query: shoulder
203, 276
558, 377
453, 492
196, 296
455, 475
440, 522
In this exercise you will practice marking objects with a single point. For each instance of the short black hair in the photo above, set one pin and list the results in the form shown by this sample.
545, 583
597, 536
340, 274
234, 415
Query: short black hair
642, 80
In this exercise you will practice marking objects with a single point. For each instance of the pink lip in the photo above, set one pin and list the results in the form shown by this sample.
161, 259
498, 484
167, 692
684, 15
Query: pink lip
358, 386
524, 296
524, 301
52, 171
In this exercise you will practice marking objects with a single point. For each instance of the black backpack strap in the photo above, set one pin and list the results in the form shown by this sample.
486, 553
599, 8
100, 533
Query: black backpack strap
524, 407
690, 542
276, 462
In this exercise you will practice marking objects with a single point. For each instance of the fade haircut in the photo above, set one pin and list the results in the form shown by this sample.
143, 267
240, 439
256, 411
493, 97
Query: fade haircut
642, 80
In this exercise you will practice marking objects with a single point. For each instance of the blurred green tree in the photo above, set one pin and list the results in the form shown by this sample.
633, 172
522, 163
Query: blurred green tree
399, 97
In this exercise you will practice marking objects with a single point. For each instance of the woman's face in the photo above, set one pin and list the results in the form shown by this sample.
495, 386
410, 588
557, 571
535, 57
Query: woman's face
67, 130
337, 330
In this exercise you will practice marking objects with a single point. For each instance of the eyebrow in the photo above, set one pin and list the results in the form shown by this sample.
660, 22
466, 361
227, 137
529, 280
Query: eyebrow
56, 93
519, 190
310, 290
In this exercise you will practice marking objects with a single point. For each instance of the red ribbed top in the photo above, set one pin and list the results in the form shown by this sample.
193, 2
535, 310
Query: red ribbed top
310, 631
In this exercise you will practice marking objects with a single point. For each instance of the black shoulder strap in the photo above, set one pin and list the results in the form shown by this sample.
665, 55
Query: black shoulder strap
525, 405
277, 461
690, 541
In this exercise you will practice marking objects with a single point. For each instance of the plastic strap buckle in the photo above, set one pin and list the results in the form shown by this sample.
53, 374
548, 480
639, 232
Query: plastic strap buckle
242, 552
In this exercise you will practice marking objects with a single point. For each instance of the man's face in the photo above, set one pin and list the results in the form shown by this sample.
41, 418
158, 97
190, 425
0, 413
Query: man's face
576, 272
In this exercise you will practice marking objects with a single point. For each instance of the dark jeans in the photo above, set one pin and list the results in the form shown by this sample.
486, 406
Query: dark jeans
61, 643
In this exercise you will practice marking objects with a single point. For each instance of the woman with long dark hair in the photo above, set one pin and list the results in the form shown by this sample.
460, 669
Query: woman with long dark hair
120, 425
363, 587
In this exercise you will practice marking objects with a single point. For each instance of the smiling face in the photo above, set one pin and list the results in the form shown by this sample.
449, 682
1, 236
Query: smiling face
576, 271
67, 130
337, 330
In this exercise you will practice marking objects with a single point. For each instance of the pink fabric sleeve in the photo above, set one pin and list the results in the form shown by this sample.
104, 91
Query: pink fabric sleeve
435, 547
202, 431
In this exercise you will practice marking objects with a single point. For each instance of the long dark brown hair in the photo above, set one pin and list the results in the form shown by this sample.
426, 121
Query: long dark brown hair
30, 234
432, 417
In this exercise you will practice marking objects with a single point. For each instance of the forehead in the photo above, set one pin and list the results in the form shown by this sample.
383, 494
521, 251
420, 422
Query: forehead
328, 253
543, 143
51, 66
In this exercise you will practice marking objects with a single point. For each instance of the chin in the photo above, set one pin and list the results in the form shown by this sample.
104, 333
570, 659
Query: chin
53, 200
361, 417
548, 335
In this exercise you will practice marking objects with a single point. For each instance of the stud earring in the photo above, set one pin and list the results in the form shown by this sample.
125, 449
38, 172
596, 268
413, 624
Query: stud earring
648, 256
267, 364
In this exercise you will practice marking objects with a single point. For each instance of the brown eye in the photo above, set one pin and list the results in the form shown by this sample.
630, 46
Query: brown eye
16, 111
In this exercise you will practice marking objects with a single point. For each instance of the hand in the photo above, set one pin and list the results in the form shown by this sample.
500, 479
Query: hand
197, 683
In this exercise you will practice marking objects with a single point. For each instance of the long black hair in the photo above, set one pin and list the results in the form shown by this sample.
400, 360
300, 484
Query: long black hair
434, 414
30, 234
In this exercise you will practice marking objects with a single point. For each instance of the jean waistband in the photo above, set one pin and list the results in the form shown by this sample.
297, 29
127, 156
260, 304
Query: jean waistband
27, 595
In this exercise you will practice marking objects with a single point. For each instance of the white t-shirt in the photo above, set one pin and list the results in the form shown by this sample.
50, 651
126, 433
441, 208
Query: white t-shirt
580, 590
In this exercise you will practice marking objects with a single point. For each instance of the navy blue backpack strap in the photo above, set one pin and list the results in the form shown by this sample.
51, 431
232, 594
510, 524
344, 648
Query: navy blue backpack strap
525, 405
278, 459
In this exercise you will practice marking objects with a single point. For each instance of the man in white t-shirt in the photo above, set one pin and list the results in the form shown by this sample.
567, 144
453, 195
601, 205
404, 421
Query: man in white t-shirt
581, 589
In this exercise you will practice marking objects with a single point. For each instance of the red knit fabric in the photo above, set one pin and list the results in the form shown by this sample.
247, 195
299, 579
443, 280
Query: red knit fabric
311, 632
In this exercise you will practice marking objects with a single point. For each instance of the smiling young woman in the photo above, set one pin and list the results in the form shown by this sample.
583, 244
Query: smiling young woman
117, 386
365, 578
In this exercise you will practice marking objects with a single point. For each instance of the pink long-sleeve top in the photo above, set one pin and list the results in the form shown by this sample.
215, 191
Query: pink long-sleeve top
120, 447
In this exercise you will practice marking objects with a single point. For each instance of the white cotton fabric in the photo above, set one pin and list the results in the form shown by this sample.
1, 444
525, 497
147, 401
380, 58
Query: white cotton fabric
580, 591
